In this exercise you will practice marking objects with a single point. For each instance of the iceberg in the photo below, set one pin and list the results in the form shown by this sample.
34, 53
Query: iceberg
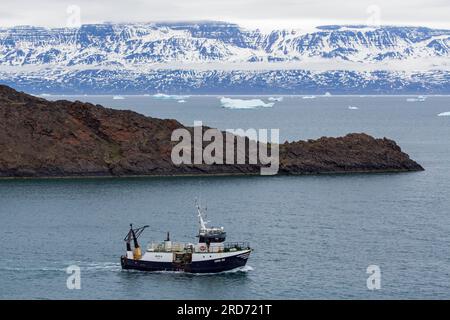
244, 103
444, 114
276, 99
418, 99
327, 94
181, 101
118, 98
164, 96
353, 108
308, 97
421, 98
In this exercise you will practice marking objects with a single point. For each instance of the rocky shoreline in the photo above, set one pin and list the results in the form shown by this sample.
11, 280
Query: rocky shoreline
40, 138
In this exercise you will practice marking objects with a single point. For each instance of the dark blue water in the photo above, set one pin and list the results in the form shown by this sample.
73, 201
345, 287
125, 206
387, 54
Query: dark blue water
314, 236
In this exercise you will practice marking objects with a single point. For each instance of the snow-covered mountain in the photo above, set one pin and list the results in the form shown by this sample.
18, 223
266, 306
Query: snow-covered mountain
205, 57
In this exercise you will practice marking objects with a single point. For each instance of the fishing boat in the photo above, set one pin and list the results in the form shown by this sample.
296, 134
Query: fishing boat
210, 254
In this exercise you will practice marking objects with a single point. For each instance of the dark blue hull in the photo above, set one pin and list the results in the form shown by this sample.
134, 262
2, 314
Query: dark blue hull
209, 266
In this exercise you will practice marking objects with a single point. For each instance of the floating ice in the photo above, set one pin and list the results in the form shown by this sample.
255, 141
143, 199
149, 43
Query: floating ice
275, 99
244, 104
418, 99
353, 108
164, 96
309, 97
327, 94
181, 101
118, 98
444, 114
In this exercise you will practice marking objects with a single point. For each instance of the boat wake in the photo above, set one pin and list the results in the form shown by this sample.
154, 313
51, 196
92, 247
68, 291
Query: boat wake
62, 267
37, 269
244, 269
113, 267
102, 266
240, 269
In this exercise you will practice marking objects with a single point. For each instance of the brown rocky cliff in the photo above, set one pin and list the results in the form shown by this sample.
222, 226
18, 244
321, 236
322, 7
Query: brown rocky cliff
39, 138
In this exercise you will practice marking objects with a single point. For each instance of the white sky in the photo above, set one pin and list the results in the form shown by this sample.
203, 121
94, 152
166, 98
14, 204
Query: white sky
248, 13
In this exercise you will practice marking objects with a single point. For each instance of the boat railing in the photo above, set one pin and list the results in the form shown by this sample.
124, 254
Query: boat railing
165, 247
188, 247
236, 246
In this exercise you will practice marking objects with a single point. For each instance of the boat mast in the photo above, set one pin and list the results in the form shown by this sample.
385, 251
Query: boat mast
200, 217
133, 235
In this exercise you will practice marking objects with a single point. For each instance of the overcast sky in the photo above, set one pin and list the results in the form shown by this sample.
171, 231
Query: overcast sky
249, 13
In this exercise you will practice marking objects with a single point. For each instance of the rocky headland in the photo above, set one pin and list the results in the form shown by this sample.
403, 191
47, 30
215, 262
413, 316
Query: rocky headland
41, 138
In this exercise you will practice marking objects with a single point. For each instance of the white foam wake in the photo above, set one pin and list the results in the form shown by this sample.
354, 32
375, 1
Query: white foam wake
61, 267
244, 103
243, 269
101, 266
240, 269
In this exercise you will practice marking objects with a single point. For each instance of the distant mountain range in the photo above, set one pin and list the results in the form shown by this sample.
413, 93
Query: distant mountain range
217, 57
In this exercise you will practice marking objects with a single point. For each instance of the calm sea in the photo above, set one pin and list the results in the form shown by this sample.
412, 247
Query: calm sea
314, 236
